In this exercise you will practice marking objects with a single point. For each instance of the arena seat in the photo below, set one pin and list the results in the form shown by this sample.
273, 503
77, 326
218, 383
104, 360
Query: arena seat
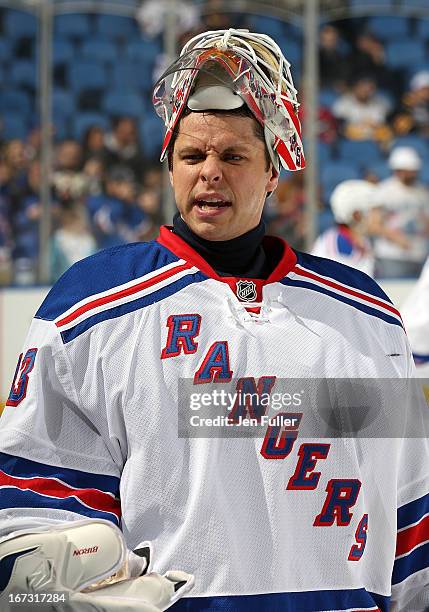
115, 26
86, 74
19, 24
73, 25
99, 50
361, 152
388, 27
119, 103
14, 126
15, 101
82, 121
402, 53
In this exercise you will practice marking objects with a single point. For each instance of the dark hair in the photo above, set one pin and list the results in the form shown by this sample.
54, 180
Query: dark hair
243, 111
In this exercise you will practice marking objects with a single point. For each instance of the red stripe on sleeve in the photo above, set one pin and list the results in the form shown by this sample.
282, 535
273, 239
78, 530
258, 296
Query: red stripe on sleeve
411, 537
348, 290
93, 498
120, 294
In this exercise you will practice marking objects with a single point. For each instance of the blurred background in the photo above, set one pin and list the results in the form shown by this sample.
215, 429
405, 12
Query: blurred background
80, 142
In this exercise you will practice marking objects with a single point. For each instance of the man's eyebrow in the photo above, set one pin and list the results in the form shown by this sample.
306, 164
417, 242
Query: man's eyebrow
231, 149
189, 149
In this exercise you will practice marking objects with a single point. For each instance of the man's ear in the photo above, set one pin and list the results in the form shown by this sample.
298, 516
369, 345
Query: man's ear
170, 174
273, 180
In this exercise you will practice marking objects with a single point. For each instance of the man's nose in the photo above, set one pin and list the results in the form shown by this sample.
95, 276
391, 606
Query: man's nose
211, 171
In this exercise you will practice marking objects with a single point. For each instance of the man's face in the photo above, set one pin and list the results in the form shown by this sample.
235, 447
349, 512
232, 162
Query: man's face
364, 89
126, 132
407, 177
219, 175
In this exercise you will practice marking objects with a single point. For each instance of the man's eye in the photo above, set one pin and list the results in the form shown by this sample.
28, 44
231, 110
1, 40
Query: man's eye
193, 157
233, 157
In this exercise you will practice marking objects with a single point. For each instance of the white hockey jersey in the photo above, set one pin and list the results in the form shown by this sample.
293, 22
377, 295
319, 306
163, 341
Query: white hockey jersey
415, 312
279, 522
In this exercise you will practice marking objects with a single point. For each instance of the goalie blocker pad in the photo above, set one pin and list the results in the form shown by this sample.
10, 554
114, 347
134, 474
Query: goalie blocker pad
89, 560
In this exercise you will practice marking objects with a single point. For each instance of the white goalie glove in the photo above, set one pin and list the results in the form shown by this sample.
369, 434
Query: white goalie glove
84, 567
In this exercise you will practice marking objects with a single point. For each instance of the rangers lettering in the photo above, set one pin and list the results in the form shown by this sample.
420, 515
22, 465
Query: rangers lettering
182, 330
342, 495
308, 456
215, 366
279, 440
356, 550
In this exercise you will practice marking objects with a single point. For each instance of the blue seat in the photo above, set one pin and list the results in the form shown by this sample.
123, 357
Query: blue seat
151, 135
360, 152
422, 27
293, 31
416, 4
83, 121
116, 26
381, 170
15, 101
266, 25
291, 49
61, 128
324, 151
336, 171
23, 72
333, 173
63, 51
402, 53
327, 97
14, 126
87, 74
19, 24
99, 50
143, 50
122, 103
389, 27
424, 174
355, 5
5, 50
128, 74
72, 25
63, 103
325, 219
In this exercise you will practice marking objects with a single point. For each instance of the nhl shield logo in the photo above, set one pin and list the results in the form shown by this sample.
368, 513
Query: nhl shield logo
246, 290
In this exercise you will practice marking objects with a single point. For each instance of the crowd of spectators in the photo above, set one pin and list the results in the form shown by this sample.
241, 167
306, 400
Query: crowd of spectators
107, 190
104, 192
365, 100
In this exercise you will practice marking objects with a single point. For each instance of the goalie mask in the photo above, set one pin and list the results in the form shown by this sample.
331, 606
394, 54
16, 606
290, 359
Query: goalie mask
225, 69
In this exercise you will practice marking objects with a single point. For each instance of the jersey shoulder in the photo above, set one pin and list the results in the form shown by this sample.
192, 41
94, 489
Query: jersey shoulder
341, 272
343, 283
103, 271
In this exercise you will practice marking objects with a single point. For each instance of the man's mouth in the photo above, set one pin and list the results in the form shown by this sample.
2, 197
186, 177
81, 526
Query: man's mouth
211, 202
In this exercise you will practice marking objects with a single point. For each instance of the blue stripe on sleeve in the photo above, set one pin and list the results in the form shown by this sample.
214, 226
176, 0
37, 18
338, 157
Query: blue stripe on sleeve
16, 498
413, 511
25, 468
409, 564
350, 301
118, 311
103, 271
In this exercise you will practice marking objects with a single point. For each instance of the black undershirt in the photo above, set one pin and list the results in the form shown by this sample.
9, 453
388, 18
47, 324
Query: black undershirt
243, 256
